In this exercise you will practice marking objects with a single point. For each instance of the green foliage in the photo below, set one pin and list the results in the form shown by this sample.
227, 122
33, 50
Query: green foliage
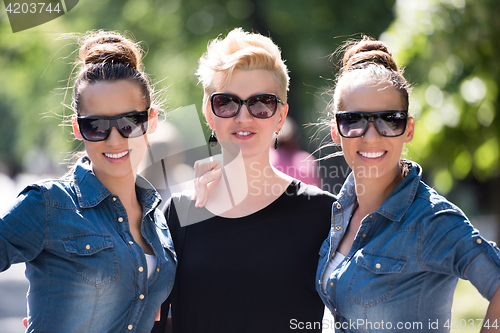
35, 65
450, 49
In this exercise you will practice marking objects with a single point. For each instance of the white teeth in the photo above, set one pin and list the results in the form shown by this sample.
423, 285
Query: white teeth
243, 133
117, 155
371, 155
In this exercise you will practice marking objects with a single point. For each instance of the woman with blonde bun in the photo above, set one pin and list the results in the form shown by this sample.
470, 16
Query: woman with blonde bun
98, 252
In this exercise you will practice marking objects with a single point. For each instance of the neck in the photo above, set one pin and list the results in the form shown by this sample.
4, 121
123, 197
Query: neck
124, 188
254, 169
372, 192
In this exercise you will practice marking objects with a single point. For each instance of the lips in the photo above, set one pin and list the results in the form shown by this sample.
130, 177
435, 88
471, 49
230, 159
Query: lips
243, 133
118, 155
372, 155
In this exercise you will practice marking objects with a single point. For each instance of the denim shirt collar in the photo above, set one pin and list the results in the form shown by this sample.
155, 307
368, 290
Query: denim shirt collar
392, 207
90, 191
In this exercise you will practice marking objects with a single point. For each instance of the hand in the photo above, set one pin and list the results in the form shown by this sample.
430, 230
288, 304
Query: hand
205, 171
158, 315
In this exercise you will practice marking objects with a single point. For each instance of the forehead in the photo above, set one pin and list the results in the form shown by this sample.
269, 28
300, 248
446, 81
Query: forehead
246, 83
105, 98
371, 97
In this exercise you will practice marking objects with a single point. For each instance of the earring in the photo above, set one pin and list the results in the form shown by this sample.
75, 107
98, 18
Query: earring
212, 140
276, 142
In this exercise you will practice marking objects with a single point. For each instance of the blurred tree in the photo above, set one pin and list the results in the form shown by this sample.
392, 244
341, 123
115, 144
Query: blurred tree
35, 65
450, 49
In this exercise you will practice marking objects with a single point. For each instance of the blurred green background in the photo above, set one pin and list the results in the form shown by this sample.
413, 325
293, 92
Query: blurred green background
449, 48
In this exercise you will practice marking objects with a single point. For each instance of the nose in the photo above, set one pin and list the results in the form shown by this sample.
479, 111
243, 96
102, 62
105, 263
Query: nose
371, 132
244, 114
114, 136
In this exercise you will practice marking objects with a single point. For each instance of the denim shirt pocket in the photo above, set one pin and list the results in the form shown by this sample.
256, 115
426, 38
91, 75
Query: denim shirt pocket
94, 256
373, 279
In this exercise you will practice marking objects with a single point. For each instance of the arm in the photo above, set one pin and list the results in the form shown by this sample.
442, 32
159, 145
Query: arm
493, 314
23, 228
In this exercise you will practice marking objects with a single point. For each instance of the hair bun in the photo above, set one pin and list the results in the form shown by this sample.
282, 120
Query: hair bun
368, 51
103, 47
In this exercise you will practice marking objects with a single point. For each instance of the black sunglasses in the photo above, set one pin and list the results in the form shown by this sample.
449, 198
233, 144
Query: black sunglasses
130, 125
353, 124
260, 106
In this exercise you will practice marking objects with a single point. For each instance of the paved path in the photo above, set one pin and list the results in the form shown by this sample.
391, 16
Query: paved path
13, 288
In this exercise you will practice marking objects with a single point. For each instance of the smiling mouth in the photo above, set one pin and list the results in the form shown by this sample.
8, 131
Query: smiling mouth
120, 155
371, 155
243, 133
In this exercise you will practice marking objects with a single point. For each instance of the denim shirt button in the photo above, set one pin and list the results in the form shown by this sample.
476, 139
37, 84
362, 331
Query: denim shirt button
319, 281
339, 206
131, 243
337, 227
120, 219
377, 266
364, 235
114, 199
87, 247
141, 269
157, 269
141, 296
130, 327
331, 284
479, 241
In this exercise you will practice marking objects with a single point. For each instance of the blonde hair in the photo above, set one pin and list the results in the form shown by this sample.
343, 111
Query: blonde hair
240, 50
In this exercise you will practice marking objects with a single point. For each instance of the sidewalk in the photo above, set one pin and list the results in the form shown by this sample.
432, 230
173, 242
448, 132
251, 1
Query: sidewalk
13, 288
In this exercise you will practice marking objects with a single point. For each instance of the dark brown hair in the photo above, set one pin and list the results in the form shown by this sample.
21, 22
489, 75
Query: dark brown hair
108, 56
371, 60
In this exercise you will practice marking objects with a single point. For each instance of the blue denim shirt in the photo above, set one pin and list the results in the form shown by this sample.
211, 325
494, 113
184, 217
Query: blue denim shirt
404, 263
85, 270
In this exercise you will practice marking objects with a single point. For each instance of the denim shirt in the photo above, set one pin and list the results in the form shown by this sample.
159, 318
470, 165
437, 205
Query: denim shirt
401, 271
86, 272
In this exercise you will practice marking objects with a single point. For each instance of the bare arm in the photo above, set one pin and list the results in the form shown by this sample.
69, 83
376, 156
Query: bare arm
493, 314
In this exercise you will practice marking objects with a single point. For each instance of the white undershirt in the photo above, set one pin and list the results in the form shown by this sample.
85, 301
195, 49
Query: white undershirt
151, 260
332, 264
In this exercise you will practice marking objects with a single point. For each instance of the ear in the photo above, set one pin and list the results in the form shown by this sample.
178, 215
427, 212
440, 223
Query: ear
76, 128
335, 131
152, 120
410, 130
282, 117
209, 116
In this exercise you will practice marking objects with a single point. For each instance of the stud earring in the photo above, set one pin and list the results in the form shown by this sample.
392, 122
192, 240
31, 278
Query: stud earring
212, 140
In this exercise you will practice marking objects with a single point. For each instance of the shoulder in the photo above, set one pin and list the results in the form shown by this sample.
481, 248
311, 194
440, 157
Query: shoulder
310, 197
434, 203
51, 188
301, 189
431, 210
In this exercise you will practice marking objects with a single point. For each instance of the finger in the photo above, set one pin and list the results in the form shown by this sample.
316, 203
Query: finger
201, 186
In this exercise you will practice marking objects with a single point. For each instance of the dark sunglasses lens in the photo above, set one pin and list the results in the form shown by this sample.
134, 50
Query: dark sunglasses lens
391, 124
133, 125
351, 124
262, 106
94, 129
225, 106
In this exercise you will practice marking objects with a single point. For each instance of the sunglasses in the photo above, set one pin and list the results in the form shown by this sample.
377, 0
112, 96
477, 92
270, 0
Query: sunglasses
260, 106
130, 125
353, 124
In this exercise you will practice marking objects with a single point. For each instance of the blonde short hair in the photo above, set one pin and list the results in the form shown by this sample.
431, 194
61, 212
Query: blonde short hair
245, 51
